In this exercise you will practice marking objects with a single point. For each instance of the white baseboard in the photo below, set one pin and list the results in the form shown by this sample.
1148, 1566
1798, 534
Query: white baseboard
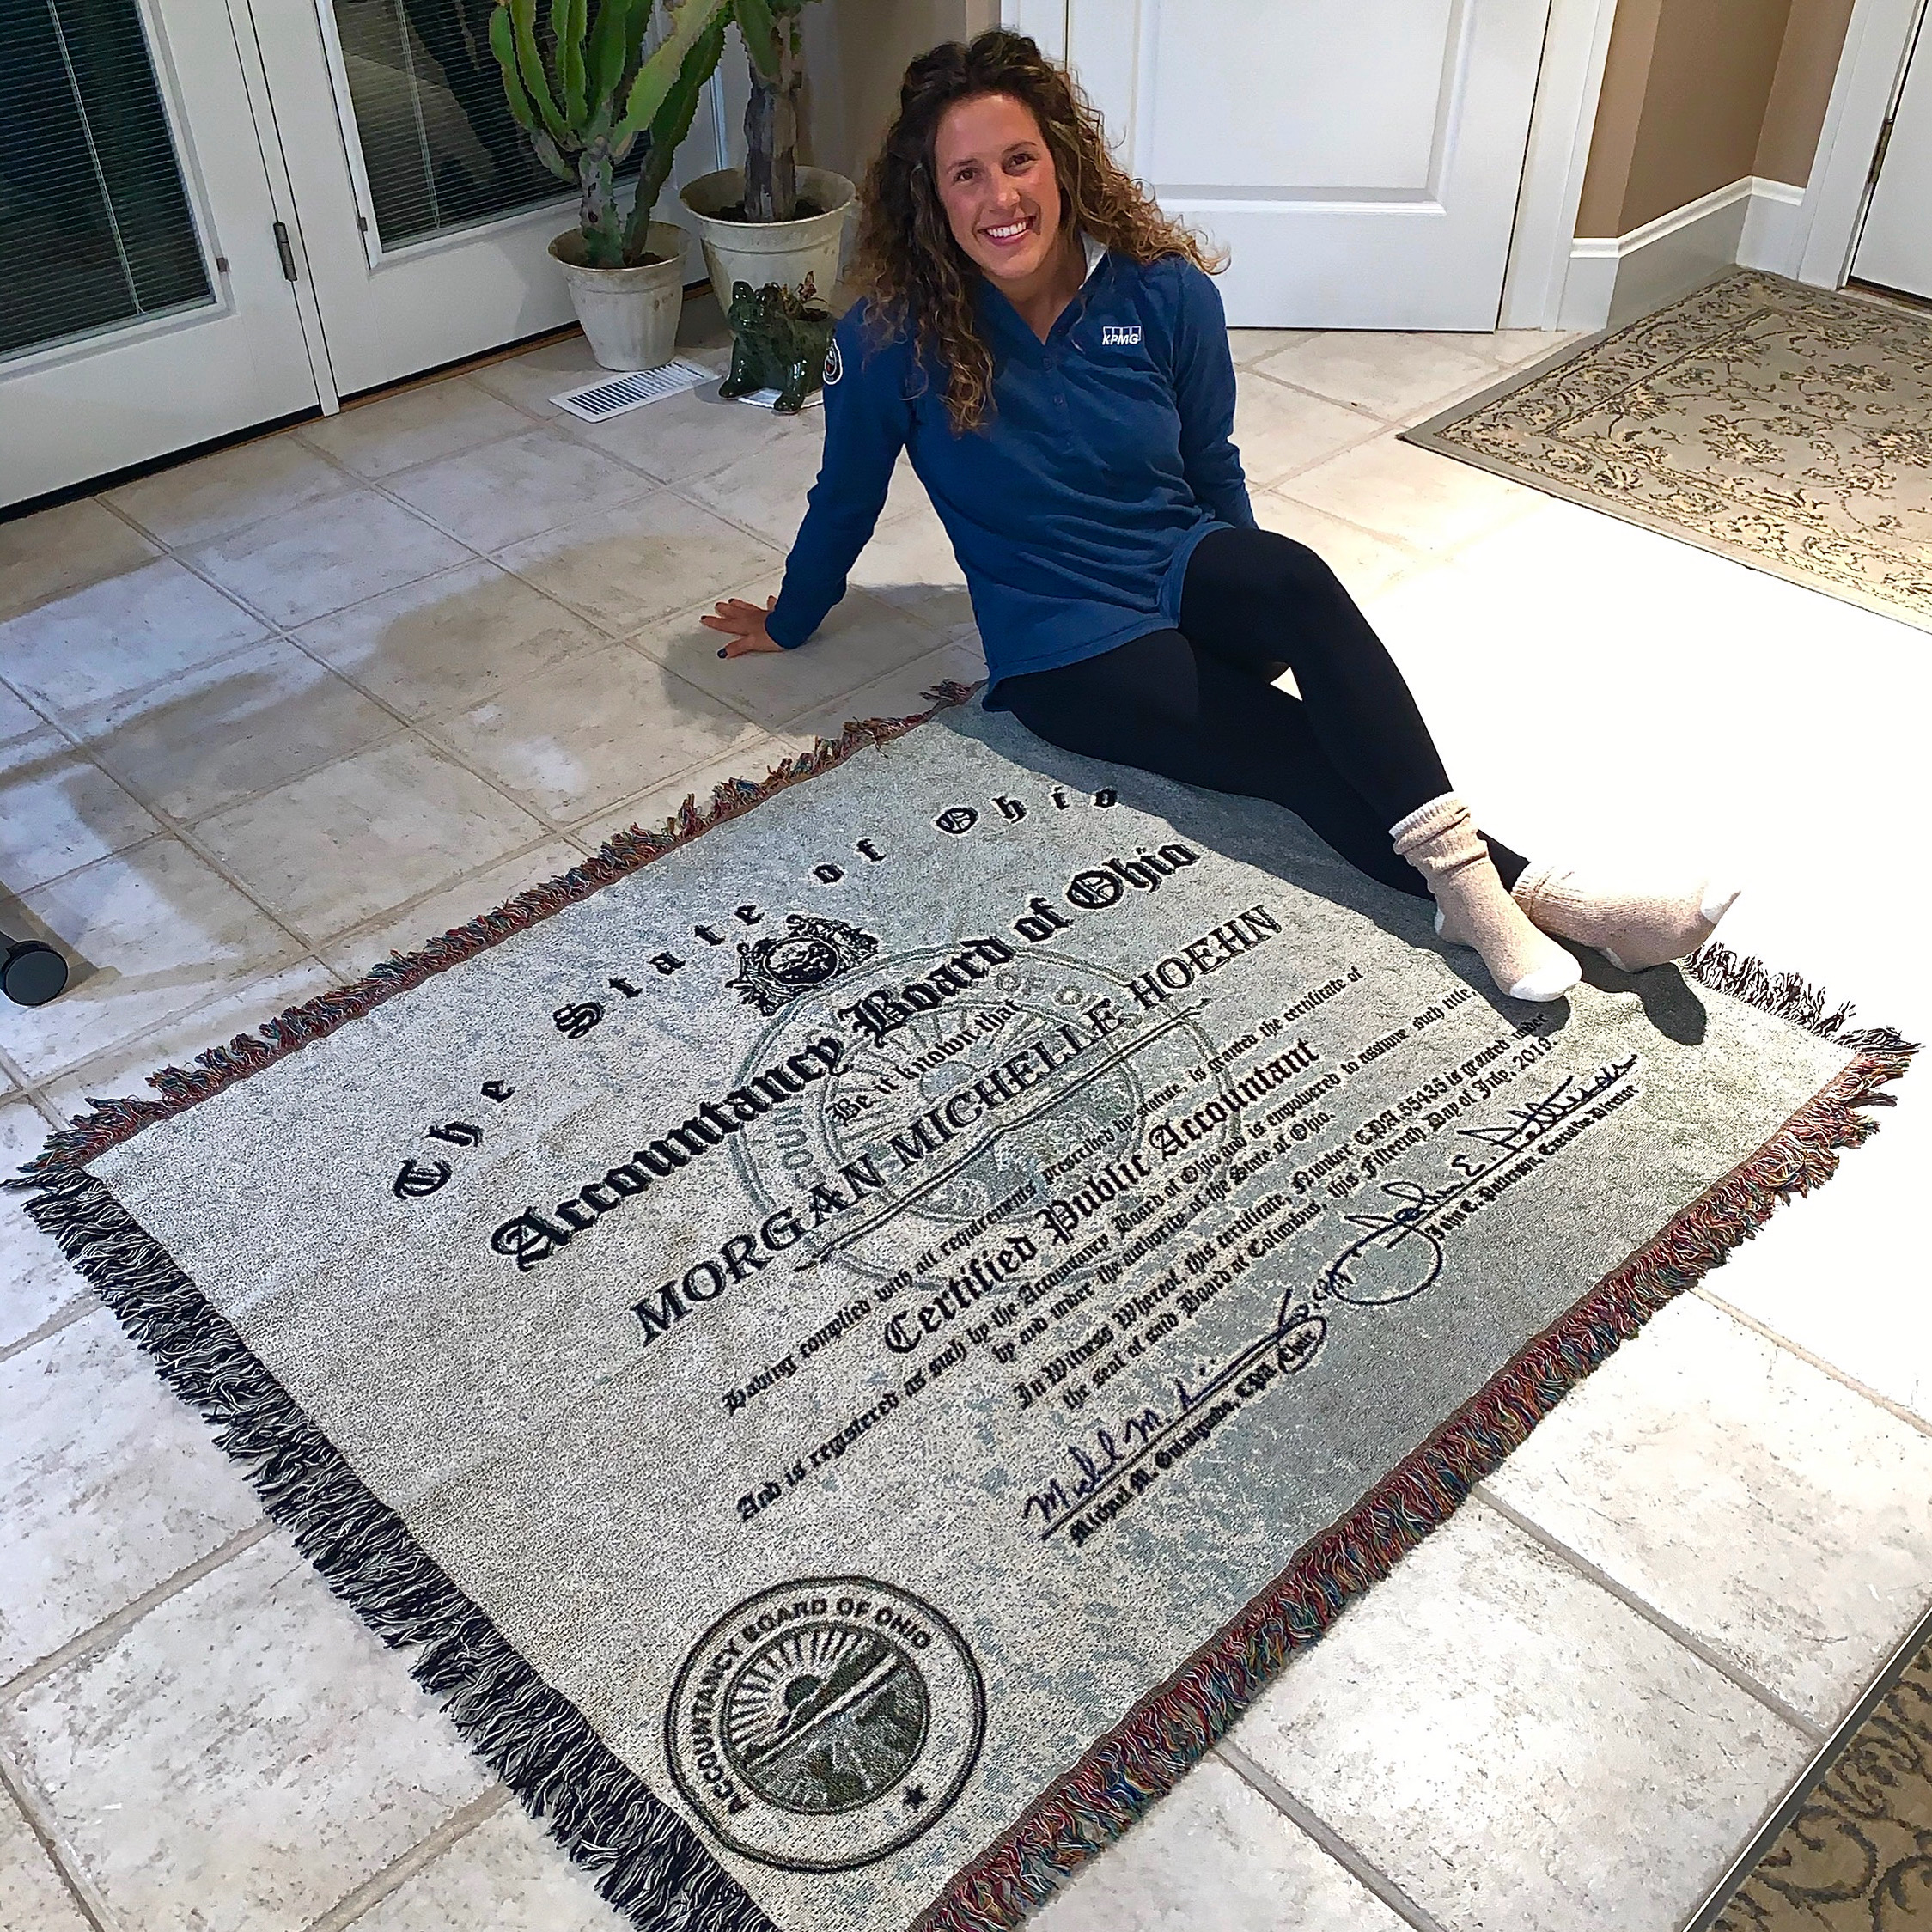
1773, 228
1612, 278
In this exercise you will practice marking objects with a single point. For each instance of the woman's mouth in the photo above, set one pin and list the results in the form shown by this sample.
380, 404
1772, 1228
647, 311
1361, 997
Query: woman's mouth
1008, 235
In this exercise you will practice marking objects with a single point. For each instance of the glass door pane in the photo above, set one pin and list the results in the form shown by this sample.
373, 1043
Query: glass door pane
144, 306
439, 150
95, 229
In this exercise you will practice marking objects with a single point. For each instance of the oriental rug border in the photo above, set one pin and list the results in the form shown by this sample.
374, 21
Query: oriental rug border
1701, 463
647, 1861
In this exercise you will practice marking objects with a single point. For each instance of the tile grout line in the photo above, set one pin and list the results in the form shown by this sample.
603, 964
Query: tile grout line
82, 1305
1706, 1653
1896, 1410
1357, 1864
169, 827
424, 1853
67, 1867
1442, 398
111, 1627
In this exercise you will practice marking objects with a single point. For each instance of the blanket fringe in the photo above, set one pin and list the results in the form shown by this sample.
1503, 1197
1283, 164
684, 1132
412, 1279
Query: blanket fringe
109, 1122
647, 1862
1788, 996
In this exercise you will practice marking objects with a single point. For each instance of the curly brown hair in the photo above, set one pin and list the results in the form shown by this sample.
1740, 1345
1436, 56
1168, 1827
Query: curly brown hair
919, 281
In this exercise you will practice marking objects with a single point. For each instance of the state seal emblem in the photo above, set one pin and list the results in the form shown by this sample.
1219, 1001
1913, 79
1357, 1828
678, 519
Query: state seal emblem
825, 1724
809, 952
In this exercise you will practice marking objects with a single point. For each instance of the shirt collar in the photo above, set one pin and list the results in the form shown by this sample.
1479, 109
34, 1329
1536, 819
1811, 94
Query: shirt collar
1006, 318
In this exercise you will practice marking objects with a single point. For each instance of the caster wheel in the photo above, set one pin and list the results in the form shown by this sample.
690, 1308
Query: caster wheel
32, 974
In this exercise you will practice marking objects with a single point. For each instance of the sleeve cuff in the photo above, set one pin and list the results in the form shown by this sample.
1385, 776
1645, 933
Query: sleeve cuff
778, 627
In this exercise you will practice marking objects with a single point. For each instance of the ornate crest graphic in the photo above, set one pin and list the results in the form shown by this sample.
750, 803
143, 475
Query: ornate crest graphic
826, 1723
809, 952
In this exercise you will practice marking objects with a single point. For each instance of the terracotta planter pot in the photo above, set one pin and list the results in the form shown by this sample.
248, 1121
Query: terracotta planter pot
762, 252
629, 314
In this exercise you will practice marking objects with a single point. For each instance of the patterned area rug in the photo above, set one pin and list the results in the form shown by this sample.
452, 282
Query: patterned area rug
851, 1347
1774, 424
1856, 1856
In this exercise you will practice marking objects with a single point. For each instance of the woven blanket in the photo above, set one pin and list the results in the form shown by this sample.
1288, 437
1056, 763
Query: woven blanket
849, 1337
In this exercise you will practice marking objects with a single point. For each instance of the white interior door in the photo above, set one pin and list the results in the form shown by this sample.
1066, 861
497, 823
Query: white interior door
425, 218
1360, 162
142, 302
1895, 244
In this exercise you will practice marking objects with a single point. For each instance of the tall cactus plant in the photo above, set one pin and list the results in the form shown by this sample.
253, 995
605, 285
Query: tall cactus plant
769, 30
594, 93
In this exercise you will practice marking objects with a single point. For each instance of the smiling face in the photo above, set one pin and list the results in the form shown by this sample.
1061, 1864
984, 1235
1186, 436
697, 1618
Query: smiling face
996, 184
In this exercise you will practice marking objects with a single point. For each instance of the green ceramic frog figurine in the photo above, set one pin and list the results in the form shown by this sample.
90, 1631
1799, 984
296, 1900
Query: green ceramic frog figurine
779, 339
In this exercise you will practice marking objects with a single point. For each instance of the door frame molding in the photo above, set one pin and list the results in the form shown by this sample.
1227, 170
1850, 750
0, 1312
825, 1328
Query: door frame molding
1871, 71
275, 165
1576, 41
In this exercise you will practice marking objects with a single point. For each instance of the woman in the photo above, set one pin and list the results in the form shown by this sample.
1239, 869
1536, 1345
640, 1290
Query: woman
1047, 346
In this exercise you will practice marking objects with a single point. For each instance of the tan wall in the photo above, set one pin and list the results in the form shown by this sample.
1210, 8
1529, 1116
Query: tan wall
1803, 86
1698, 93
856, 52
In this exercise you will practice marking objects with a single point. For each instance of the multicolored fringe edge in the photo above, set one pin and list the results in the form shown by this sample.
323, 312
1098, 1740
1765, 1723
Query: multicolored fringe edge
1171, 1730
109, 1122
647, 1862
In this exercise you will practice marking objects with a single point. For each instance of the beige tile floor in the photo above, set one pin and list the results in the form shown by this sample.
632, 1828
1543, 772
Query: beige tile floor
266, 715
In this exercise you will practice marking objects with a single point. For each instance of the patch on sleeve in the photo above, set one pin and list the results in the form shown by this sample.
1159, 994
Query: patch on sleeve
834, 366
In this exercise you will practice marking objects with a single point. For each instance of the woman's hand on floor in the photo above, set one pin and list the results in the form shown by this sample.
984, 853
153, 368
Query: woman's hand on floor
744, 624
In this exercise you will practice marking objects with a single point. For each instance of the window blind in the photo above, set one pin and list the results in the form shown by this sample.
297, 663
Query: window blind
439, 146
95, 229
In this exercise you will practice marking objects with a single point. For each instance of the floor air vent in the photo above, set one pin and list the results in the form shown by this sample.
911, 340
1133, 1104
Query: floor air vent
612, 395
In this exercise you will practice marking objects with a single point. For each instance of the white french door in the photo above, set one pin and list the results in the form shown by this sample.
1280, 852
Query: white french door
1360, 162
144, 306
424, 217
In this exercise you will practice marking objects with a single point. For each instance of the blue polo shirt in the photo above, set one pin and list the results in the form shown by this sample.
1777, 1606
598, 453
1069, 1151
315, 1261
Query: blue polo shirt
1073, 509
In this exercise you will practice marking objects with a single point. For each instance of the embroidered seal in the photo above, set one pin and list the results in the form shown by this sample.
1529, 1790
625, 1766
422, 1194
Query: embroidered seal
825, 1724
834, 366
810, 952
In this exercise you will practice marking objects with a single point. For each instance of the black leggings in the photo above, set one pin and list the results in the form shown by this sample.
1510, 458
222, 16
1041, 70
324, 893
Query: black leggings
1350, 757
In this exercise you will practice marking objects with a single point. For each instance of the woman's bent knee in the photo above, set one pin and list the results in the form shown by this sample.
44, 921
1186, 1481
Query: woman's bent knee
1266, 564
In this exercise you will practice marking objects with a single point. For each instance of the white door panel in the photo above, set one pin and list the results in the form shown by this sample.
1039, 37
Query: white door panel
1361, 163
233, 356
1895, 244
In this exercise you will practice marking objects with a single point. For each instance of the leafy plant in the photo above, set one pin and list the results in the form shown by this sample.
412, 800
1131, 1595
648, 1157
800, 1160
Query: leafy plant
592, 93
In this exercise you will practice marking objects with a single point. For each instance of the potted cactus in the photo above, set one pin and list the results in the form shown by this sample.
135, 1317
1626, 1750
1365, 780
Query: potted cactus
770, 221
586, 101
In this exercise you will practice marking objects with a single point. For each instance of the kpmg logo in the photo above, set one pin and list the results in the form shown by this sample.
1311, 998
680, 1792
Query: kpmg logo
1120, 335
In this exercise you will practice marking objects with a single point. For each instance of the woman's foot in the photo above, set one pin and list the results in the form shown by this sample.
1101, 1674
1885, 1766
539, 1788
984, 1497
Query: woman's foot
1440, 839
1633, 929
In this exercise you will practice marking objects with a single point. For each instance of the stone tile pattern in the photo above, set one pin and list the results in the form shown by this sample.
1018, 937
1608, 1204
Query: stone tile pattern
268, 715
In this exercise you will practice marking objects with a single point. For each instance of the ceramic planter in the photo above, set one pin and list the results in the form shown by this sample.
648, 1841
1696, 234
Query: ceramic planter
629, 315
762, 252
